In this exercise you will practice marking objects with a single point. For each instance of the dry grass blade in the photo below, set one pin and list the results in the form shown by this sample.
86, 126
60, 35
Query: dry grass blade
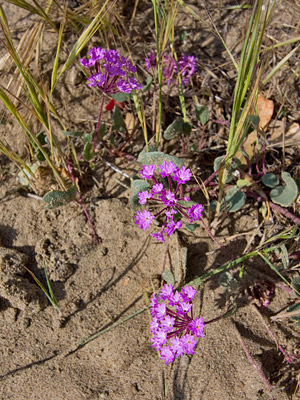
13, 110
87, 34
38, 10
55, 65
280, 65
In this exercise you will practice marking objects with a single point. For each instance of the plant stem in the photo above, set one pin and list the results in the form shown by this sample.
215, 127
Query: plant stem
98, 124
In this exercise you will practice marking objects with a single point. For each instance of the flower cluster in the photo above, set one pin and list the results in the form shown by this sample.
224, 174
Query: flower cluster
110, 71
171, 199
186, 65
175, 332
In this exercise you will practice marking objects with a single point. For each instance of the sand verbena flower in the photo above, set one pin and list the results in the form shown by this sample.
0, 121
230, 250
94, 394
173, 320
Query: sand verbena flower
174, 204
174, 329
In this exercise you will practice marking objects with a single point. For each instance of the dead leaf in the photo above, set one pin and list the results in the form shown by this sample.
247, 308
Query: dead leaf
265, 109
276, 131
129, 122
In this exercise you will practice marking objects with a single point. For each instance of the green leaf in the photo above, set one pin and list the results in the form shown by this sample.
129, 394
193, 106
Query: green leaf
148, 83
202, 114
88, 153
235, 199
177, 128
121, 96
118, 119
101, 131
41, 137
251, 123
235, 164
168, 277
75, 134
243, 182
57, 198
270, 180
191, 227
157, 158
296, 286
88, 138
285, 195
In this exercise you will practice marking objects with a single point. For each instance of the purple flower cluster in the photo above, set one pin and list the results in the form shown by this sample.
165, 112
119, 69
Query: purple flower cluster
171, 199
175, 332
186, 65
110, 71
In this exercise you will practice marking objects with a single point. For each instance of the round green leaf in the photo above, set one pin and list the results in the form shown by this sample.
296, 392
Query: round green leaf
57, 198
202, 114
168, 277
175, 129
270, 180
235, 199
285, 195
157, 158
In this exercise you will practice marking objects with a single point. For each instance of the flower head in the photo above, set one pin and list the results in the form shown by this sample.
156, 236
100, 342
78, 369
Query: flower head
148, 171
110, 72
167, 168
182, 175
143, 219
185, 67
170, 198
175, 332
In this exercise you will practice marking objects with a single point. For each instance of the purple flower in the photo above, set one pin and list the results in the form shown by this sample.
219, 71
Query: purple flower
96, 80
168, 323
195, 212
197, 327
186, 66
188, 293
150, 61
168, 198
144, 196
143, 219
167, 169
158, 236
174, 332
182, 175
157, 188
172, 226
177, 346
167, 355
147, 171
128, 86
189, 343
110, 71
166, 292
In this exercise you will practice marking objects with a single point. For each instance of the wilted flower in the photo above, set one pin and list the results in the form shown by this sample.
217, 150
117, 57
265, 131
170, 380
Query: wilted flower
186, 66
